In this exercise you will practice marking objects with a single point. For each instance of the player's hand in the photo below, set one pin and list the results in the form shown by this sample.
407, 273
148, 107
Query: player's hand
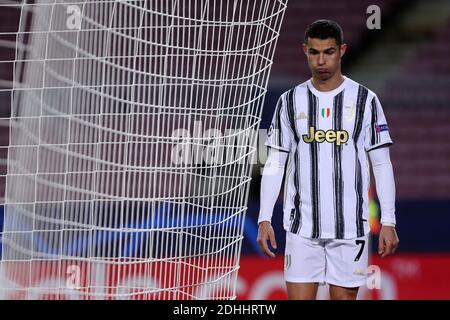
265, 233
388, 241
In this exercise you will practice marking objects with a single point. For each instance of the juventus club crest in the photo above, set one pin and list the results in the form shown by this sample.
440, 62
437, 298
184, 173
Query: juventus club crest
349, 111
270, 132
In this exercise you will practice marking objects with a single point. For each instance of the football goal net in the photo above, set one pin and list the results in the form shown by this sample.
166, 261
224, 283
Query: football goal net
132, 128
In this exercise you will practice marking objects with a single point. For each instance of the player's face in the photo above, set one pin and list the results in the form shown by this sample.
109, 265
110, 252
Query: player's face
324, 57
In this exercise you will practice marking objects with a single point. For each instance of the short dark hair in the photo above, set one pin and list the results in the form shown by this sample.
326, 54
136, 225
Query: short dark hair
324, 29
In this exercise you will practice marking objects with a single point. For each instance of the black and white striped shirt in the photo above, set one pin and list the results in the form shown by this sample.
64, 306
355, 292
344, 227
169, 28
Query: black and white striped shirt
328, 135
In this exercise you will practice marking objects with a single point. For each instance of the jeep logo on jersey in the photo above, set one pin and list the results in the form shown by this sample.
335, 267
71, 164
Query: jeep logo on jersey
339, 137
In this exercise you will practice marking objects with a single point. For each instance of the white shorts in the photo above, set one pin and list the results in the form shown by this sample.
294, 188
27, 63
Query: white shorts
338, 262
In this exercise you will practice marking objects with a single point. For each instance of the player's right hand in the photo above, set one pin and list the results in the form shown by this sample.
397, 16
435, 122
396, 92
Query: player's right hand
265, 233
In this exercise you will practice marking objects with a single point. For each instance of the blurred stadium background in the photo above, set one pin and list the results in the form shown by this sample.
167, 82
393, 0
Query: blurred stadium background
407, 63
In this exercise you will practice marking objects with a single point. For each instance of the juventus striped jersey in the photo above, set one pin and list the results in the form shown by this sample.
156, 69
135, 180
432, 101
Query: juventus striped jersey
327, 136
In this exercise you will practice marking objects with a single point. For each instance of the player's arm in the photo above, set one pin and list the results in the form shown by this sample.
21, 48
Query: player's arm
271, 182
385, 185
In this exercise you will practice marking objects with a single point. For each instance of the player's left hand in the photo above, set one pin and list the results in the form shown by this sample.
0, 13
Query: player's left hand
388, 241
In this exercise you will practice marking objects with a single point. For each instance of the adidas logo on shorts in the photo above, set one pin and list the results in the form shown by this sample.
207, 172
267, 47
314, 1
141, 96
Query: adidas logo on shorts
359, 272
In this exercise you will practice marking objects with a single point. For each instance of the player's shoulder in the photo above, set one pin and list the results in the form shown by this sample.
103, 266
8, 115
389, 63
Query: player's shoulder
298, 89
354, 85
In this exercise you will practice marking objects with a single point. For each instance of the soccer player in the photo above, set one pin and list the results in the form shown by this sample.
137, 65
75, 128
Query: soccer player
322, 133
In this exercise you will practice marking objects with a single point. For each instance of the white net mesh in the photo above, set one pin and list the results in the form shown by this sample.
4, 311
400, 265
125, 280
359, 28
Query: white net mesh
132, 130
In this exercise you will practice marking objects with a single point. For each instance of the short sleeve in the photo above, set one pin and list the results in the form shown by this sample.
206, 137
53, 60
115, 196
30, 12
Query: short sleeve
376, 128
279, 135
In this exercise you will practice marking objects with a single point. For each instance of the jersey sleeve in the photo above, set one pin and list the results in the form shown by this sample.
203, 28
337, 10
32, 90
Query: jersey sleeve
280, 135
376, 128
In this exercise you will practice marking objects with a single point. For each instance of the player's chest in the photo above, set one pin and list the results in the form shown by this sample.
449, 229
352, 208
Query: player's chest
326, 120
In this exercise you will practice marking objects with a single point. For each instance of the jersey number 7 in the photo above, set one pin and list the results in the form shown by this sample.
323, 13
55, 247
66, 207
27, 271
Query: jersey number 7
362, 243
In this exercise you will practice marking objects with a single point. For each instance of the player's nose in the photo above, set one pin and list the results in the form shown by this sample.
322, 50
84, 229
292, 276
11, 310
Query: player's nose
321, 60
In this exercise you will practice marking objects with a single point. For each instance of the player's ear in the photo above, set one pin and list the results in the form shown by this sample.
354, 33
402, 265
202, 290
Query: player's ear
343, 49
305, 49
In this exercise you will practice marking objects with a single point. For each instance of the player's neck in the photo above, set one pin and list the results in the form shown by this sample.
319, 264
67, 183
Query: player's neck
329, 84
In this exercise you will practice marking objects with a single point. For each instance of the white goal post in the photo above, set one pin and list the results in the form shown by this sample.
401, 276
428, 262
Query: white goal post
132, 129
